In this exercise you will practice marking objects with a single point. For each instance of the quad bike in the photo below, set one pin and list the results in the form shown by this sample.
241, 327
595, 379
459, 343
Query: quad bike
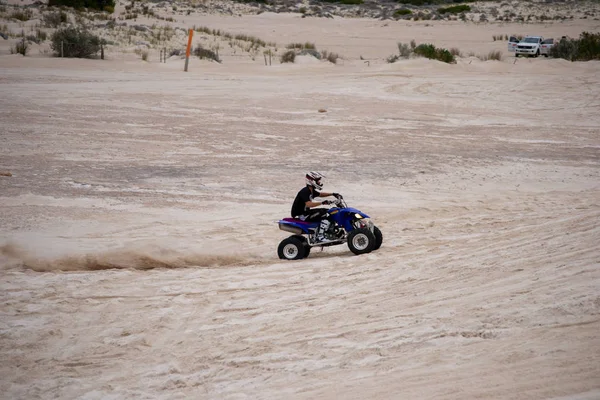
348, 225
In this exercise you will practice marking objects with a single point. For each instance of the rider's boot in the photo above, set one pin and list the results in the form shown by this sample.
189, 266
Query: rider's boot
322, 229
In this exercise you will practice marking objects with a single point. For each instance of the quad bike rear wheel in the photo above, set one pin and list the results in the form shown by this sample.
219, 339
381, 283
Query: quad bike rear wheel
291, 248
361, 241
305, 242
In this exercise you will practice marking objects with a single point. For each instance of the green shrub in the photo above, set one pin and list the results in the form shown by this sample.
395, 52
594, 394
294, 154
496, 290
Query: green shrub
414, 2
288, 57
586, 48
203, 53
589, 46
75, 42
426, 50
401, 12
78, 4
454, 9
431, 52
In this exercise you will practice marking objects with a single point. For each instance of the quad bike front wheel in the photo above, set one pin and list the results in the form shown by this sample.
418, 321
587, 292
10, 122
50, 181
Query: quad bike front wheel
361, 241
291, 248
378, 238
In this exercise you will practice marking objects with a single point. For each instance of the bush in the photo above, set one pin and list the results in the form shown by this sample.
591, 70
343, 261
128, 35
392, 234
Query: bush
203, 53
349, 2
55, 19
22, 15
288, 57
431, 52
41, 35
302, 46
401, 12
414, 2
454, 9
32, 39
404, 50
586, 48
455, 52
330, 56
589, 46
492, 55
392, 59
21, 47
102, 5
75, 42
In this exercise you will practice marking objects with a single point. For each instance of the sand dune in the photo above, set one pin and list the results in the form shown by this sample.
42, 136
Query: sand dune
138, 230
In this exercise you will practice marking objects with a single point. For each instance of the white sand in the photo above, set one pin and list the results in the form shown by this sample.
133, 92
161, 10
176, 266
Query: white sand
138, 254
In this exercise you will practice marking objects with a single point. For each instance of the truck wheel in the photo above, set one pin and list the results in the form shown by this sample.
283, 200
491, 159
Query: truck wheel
537, 53
291, 249
378, 238
361, 241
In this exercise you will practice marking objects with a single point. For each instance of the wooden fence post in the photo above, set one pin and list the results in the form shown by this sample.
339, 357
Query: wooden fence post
187, 52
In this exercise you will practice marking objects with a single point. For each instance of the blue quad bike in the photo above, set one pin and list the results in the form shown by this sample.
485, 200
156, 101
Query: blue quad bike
349, 225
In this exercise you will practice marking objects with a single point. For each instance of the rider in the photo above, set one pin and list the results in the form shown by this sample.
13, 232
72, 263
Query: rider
304, 203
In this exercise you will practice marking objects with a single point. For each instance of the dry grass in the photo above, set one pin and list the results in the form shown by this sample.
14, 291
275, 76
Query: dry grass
492, 55
330, 56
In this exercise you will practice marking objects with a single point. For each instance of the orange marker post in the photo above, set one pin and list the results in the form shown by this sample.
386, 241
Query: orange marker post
189, 48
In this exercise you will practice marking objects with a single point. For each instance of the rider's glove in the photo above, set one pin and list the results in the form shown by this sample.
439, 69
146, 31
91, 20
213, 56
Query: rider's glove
337, 195
326, 202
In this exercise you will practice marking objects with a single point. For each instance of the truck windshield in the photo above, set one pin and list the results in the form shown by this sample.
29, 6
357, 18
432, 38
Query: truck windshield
531, 40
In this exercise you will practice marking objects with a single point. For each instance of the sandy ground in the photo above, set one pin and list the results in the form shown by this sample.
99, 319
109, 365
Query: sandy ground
138, 236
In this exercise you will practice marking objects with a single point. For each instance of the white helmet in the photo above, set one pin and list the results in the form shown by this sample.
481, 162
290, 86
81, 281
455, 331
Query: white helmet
313, 179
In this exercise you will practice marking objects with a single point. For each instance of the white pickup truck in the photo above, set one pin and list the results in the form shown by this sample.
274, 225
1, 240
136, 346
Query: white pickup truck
529, 46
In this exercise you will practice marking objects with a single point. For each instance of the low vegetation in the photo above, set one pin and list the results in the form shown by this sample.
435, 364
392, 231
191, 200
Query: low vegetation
55, 19
75, 42
424, 50
301, 46
103, 5
22, 15
348, 2
434, 53
405, 50
21, 47
288, 57
402, 11
330, 56
206, 54
492, 55
586, 48
454, 9
455, 52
